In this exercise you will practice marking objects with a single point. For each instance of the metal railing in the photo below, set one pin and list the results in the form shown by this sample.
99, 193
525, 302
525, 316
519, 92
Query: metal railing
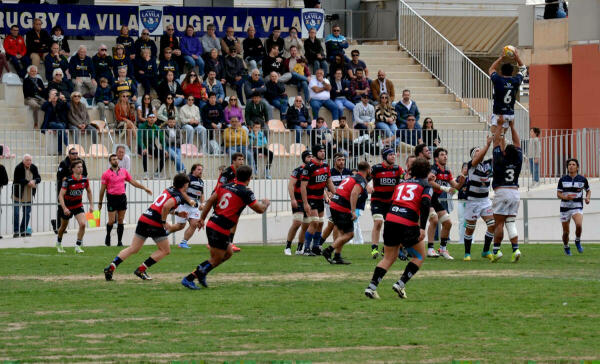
364, 25
450, 66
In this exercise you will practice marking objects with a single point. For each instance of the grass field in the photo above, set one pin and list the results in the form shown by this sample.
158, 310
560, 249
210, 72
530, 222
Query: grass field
263, 306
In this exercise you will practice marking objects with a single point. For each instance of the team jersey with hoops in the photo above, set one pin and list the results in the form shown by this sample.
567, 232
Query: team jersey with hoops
505, 92
385, 180
195, 188
297, 175
478, 180
572, 186
316, 173
443, 176
406, 202
153, 215
341, 199
227, 176
338, 176
506, 174
232, 199
74, 191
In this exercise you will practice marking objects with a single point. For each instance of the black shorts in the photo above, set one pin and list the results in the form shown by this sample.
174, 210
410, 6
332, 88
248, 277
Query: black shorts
380, 208
146, 231
298, 209
342, 220
216, 239
437, 205
74, 212
395, 234
318, 205
116, 202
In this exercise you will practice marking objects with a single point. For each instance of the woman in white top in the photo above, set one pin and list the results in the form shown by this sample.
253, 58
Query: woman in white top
189, 115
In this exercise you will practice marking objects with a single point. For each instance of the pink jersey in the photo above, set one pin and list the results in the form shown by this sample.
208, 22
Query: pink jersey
115, 181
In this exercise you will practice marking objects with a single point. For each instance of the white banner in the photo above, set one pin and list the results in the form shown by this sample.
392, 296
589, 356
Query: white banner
151, 18
313, 19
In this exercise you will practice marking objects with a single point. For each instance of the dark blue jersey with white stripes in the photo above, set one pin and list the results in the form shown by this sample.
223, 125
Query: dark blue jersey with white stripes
478, 180
572, 186
195, 188
506, 173
338, 176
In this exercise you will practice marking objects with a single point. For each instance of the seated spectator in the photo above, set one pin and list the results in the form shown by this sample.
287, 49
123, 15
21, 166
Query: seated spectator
298, 119
37, 41
126, 41
58, 36
355, 63
275, 40
54, 60
55, 118
260, 146
169, 86
256, 112
61, 84
234, 72
276, 95
104, 99
33, 93
145, 42
3, 61
363, 113
172, 138
273, 62
315, 54
213, 63
339, 64
210, 41
145, 108
233, 110
82, 70
124, 84
124, 160
192, 50
254, 51
382, 85
385, 116
430, 135
167, 111
121, 60
213, 84
189, 116
344, 137
151, 143
213, 119
320, 89
255, 84
16, 51
169, 40
229, 42
103, 64
293, 40
145, 71
335, 43
360, 86
410, 135
406, 107
321, 134
296, 72
341, 93
167, 63
79, 119
192, 86
125, 118
235, 140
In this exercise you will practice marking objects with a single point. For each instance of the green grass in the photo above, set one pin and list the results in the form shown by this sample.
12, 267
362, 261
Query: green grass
262, 306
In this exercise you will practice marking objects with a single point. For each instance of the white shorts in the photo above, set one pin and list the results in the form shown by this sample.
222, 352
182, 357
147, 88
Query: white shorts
328, 212
506, 201
565, 216
475, 209
507, 118
193, 213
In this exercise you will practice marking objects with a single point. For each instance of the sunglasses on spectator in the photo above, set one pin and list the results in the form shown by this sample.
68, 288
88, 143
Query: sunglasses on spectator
169, 98
384, 97
76, 96
145, 33
73, 153
103, 49
192, 75
336, 30
232, 100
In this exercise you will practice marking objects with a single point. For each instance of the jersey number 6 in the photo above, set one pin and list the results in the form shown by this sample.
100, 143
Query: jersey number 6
224, 202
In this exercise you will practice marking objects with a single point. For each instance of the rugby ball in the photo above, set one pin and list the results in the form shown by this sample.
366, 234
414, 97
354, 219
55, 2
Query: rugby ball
508, 51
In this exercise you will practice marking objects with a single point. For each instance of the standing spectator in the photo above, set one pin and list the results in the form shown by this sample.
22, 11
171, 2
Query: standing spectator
256, 112
213, 63
315, 54
54, 60
296, 72
172, 137
167, 111
145, 108
82, 70
145, 42
169, 86
385, 116
320, 88
126, 41
364, 114
382, 85
213, 84
124, 84
430, 135
14, 46
64, 170
58, 36
259, 144
103, 64
25, 181
556, 9
124, 160
151, 143
312, 4
339, 64
298, 119
344, 136
170, 41
255, 84
355, 64
213, 120
292, 40
33, 93
189, 115
410, 135
145, 71
254, 51
406, 107
534, 154
210, 41
3, 64
322, 135
276, 95
233, 110
3, 180
234, 72
191, 48
60, 84
360, 86
235, 140
104, 99
230, 41
125, 118
341, 93
122, 60
79, 119
55, 118
335, 43
167, 63
38, 42
275, 40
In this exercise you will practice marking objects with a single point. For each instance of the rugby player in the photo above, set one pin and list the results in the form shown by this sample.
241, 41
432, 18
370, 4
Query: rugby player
506, 87
570, 192
299, 215
195, 191
228, 176
339, 172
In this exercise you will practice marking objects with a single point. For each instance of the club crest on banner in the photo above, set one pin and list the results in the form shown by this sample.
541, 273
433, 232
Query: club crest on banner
151, 19
312, 19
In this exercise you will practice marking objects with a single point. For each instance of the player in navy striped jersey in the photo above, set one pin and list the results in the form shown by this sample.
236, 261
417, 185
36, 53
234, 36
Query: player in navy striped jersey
300, 219
506, 87
194, 191
570, 192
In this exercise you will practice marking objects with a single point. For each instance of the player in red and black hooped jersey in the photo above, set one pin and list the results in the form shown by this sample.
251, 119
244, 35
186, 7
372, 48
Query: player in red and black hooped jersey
228, 176
316, 176
71, 202
405, 225
228, 202
386, 176
153, 224
343, 211
299, 215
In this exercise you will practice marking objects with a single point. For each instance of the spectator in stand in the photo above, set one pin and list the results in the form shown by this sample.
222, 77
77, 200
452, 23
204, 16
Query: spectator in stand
210, 41
125, 118
385, 116
151, 143
26, 178
191, 48
16, 51
296, 71
298, 119
103, 64
230, 41
256, 112
54, 60
315, 54
126, 41
534, 153
145, 42
276, 95
235, 140
33, 93
410, 135
169, 86
124, 84
556, 9
104, 99
322, 135
360, 86
312, 4
320, 95
273, 62
82, 70
363, 114
343, 137
192, 86
430, 135
189, 115
58, 36
213, 63
38, 42
3, 66
169, 40
234, 72
145, 71
275, 40
61, 84
167, 111
260, 146
339, 64
254, 51
212, 84
79, 119
233, 110
382, 85
335, 43
255, 84
124, 160
213, 120
341, 93
172, 138
355, 63
406, 107
167, 63
292, 40
55, 118
121, 60
145, 108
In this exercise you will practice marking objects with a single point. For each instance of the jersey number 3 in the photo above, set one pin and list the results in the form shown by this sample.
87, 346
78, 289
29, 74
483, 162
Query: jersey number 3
408, 194
509, 175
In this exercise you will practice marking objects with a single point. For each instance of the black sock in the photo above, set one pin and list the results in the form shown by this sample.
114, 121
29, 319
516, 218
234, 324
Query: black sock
300, 246
430, 245
468, 242
79, 242
149, 262
374, 246
117, 261
204, 268
337, 255
487, 242
59, 239
377, 277
443, 242
120, 229
190, 277
288, 244
329, 249
108, 229
410, 270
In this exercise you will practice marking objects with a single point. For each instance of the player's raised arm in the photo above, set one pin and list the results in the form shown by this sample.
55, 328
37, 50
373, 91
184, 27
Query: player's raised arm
478, 157
495, 65
515, 135
499, 138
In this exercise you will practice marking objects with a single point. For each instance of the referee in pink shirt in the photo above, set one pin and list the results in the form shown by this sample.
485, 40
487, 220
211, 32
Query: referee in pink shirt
113, 182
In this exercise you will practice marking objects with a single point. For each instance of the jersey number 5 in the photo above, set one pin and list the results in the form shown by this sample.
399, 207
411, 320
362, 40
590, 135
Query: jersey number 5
408, 194
224, 202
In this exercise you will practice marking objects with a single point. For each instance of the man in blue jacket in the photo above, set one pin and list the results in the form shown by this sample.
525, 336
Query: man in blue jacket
82, 73
406, 107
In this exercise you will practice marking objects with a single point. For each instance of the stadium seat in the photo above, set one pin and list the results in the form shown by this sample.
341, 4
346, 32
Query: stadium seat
10, 78
278, 149
190, 150
6, 154
276, 126
297, 149
98, 150
78, 148
100, 124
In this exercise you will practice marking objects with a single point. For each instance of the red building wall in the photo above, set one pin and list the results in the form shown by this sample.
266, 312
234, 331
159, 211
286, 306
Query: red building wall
586, 86
550, 96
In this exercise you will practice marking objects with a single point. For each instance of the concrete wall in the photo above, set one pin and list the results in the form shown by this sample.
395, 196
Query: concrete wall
551, 43
584, 25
